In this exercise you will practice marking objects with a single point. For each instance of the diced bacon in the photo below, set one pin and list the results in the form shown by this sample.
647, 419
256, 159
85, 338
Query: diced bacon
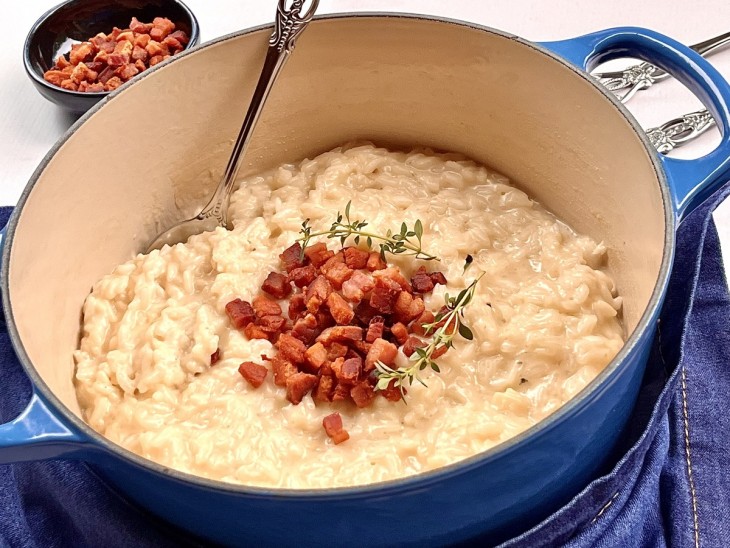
142, 40
317, 293
340, 310
107, 74
69, 84
325, 319
139, 53
375, 262
303, 276
362, 394
340, 333
306, 329
375, 329
424, 319
336, 350
341, 393
154, 48
421, 281
140, 65
325, 388
263, 306
136, 26
333, 428
62, 63
253, 331
381, 351
113, 83
298, 385
440, 351
400, 332
392, 392
277, 285
181, 37
364, 312
95, 87
155, 59
215, 356
271, 324
356, 258
240, 313
173, 45
384, 295
335, 366
164, 24
95, 66
291, 348
411, 344
361, 346
316, 355
357, 286
296, 306
393, 273
318, 254
407, 308
337, 274
283, 369
117, 60
292, 258
254, 373
82, 72
81, 52
336, 259
128, 71
350, 371
438, 278
55, 77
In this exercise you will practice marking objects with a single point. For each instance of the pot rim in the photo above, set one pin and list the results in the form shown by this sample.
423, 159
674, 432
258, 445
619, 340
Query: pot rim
417, 481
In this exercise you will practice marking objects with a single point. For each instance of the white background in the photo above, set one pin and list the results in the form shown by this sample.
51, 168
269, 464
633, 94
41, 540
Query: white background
29, 125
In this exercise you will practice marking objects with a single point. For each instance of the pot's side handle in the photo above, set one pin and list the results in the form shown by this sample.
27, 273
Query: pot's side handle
690, 181
36, 434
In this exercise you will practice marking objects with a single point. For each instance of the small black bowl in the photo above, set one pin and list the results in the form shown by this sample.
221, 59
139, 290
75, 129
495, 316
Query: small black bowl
78, 20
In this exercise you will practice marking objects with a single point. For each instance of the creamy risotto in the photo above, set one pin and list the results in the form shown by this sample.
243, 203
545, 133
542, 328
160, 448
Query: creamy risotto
545, 320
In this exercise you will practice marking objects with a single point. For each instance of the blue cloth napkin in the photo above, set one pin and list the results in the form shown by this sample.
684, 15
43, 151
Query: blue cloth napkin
669, 483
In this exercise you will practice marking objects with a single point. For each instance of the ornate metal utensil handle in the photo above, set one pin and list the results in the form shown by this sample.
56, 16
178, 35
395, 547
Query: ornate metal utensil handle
680, 131
625, 83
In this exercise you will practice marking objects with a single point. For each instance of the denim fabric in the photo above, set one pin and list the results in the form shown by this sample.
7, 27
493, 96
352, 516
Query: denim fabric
670, 486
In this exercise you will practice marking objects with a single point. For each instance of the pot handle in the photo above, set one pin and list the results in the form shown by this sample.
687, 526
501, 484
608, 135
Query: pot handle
35, 434
690, 181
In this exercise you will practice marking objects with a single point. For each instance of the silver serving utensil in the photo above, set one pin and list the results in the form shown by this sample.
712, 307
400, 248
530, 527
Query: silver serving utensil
680, 130
625, 83
289, 24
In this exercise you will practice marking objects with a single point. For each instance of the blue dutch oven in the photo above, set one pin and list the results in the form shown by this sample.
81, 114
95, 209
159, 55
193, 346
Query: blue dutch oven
529, 111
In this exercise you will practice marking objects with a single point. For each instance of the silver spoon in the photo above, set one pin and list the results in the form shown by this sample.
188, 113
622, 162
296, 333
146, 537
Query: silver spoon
289, 24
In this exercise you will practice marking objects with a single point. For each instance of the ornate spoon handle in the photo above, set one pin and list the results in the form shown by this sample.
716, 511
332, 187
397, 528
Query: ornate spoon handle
680, 131
624, 84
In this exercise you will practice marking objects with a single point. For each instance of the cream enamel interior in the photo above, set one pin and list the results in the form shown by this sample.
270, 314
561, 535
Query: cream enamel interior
154, 152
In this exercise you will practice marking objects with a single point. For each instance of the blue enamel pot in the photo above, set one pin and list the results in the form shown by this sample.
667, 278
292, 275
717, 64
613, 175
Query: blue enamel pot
528, 110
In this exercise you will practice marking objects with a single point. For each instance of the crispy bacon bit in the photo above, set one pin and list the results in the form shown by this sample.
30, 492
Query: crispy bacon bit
342, 393
325, 319
411, 344
381, 351
271, 324
340, 310
306, 329
421, 281
407, 308
316, 355
215, 356
333, 428
400, 332
361, 346
277, 285
384, 295
253, 373
438, 278
393, 273
296, 306
291, 257
357, 286
440, 351
338, 274
240, 313
317, 293
318, 254
392, 392
283, 369
298, 385
303, 276
362, 394
263, 306
356, 258
375, 262
325, 389
365, 312
291, 348
253, 331
336, 350
340, 333
425, 318
375, 329
350, 371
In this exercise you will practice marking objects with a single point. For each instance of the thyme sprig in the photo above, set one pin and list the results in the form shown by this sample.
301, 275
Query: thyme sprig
407, 241
445, 326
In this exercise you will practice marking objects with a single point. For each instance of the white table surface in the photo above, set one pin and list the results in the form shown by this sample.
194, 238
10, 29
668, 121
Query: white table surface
29, 125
